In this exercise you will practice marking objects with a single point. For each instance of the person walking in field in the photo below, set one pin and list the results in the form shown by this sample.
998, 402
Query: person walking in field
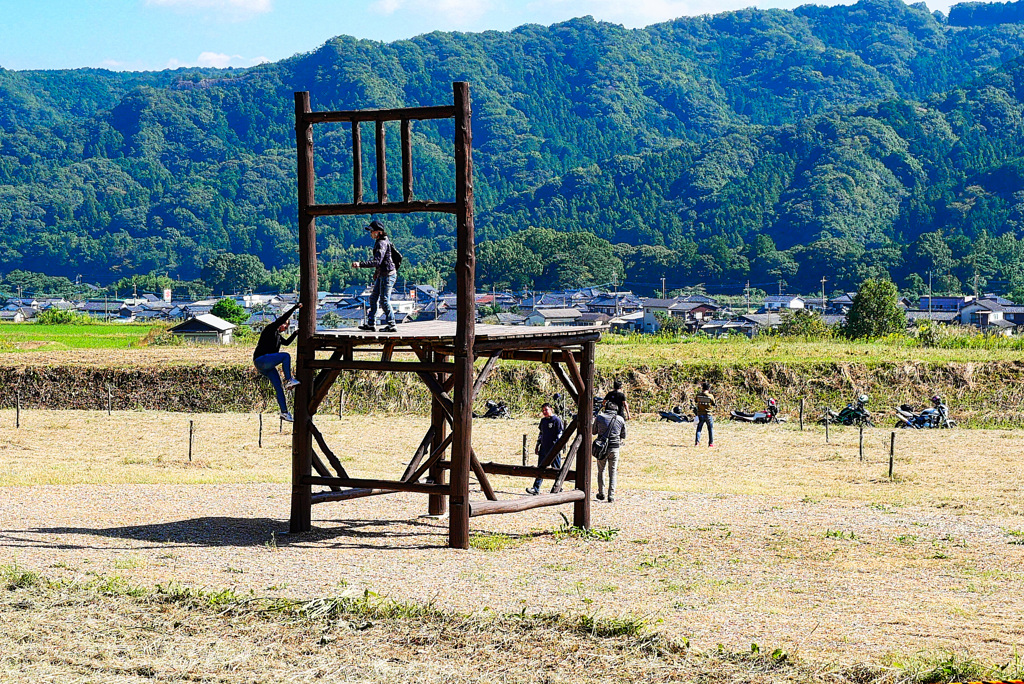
610, 432
385, 262
550, 431
703, 403
618, 397
268, 356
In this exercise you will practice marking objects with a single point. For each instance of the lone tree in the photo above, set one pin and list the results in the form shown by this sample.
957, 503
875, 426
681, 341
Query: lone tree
230, 311
875, 311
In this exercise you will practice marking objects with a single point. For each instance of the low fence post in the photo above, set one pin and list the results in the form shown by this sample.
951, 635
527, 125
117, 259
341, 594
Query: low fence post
524, 449
190, 431
801, 414
826, 429
892, 452
17, 411
862, 441
108, 399
261, 430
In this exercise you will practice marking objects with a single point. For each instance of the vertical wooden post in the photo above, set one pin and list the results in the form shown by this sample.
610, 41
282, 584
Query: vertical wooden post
801, 414
406, 160
108, 400
862, 441
190, 430
524, 449
892, 452
382, 169
341, 404
826, 429
302, 447
437, 504
17, 411
357, 164
465, 327
261, 430
585, 425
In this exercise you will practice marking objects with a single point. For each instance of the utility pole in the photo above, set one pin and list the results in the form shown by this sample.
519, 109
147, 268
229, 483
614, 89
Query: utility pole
929, 298
746, 296
823, 303
780, 287
663, 287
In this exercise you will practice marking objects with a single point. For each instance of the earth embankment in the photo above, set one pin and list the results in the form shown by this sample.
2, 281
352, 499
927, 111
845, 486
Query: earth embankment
989, 393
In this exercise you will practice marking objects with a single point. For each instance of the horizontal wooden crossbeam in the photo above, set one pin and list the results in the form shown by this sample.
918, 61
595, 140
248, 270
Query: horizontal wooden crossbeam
381, 208
392, 366
420, 113
362, 483
478, 508
346, 494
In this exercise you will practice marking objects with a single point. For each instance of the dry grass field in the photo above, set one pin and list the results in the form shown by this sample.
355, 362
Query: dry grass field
772, 538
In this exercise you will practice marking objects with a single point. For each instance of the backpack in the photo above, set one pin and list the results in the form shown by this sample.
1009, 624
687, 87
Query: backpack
396, 257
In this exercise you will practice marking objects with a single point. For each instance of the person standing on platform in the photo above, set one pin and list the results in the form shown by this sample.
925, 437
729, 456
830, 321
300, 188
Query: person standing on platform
703, 403
385, 262
609, 427
618, 397
551, 428
268, 356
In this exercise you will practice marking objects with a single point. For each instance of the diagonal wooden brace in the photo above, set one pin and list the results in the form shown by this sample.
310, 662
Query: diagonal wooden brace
567, 434
318, 436
481, 377
435, 456
422, 449
566, 464
569, 387
319, 467
322, 384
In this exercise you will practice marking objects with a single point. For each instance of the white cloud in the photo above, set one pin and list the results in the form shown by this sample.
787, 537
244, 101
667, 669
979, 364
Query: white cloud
217, 60
234, 8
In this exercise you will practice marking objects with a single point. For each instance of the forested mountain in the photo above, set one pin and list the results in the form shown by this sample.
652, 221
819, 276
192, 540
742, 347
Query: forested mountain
842, 142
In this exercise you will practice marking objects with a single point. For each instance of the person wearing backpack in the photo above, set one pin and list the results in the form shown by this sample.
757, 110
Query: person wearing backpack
385, 262
703, 403
610, 431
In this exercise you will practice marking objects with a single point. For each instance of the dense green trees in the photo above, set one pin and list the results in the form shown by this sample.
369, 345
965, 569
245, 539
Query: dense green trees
875, 311
755, 145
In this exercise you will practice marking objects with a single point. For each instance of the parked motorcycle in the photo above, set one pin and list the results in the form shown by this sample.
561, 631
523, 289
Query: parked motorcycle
937, 416
676, 415
851, 414
495, 409
769, 414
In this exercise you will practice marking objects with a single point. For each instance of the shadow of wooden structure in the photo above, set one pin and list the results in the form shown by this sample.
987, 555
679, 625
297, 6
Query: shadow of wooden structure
442, 354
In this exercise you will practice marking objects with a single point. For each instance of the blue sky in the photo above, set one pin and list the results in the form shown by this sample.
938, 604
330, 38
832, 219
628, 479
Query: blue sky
158, 34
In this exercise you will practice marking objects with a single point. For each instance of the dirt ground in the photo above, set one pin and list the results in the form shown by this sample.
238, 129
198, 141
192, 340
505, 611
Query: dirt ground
773, 537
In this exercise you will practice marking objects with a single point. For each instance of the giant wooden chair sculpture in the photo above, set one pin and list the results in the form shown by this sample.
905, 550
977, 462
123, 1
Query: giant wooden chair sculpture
443, 354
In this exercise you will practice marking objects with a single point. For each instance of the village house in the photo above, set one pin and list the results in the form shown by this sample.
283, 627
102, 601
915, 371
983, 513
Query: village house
780, 302
553, 317
205, 328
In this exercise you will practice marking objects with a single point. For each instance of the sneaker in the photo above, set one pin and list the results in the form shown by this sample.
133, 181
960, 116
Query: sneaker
287, 417
389, 328
611, 499
532, 491
600, 496
367, 326
291, 382
710, 445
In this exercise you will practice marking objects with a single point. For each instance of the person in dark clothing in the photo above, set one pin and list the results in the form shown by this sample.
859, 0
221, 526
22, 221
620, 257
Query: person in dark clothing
611, 424
268, 356
385, 274
618, 397
703, 403
551, 428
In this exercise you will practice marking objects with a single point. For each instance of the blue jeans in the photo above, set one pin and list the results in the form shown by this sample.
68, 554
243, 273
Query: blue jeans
382, 289
267, 366
709, 421
557, 463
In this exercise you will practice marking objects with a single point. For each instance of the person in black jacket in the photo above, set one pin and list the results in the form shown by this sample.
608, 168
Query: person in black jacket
611, 425
268, 356
385, 274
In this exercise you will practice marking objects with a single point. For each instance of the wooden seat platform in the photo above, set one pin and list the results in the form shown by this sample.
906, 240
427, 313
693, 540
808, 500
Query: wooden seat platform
438, 334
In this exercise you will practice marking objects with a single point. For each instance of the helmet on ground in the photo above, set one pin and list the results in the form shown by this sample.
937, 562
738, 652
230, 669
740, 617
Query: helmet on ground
771, 402
862, 399
936, 399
